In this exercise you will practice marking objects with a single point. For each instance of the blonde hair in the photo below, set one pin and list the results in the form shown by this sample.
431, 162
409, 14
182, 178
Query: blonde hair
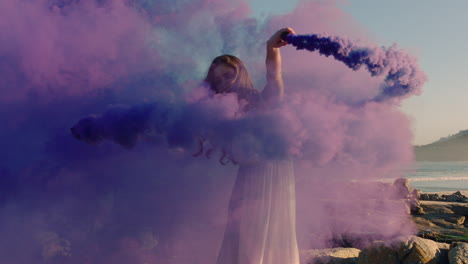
241, 83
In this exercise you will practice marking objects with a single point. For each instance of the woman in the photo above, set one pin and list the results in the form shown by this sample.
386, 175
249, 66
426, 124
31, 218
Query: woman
261, 221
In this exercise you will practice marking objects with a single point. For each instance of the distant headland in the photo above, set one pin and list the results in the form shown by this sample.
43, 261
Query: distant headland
451, 148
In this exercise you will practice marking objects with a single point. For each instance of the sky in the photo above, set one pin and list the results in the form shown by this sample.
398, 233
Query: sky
433, 31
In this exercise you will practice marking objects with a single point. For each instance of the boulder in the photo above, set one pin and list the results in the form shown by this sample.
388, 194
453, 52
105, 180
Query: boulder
445, 220
419, 250
443, 245
444, 214
460, 209
424, 196
378, 252
455, 197
458, 254
439, 208
422, 223
431, 197
405, 248
332, 256
459, 220
417, 210
409, 250
408, 194
403, 187
444, 250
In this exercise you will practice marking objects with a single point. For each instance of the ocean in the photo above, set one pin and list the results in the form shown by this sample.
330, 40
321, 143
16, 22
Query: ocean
439, 176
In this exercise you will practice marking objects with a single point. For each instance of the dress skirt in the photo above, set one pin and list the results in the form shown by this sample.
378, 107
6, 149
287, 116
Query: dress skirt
261, 226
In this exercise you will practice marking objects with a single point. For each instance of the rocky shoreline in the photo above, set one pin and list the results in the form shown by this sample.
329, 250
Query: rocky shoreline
442, 235
457, 197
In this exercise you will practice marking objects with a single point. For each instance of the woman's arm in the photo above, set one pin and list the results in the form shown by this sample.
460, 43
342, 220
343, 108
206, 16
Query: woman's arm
274, 88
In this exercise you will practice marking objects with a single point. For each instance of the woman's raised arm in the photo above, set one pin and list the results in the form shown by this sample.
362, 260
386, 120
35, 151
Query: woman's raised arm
274, 88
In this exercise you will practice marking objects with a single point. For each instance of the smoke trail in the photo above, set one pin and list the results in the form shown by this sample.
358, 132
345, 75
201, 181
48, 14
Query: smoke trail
300, 127
205, 126
402, 75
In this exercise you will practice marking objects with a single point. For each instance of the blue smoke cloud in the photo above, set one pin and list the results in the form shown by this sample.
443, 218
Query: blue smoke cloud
206, 126
403, 77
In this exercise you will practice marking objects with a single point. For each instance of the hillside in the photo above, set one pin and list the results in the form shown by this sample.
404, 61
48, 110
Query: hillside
451, 148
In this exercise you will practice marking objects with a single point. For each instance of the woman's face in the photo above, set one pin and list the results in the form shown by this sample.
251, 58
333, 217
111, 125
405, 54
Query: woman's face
223, 76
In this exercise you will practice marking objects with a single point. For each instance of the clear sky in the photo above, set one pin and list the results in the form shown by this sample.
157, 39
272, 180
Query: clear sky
433, 30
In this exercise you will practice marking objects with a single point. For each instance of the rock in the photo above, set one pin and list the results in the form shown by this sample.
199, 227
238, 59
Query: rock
423, 251
403, 187
444, 250
444, 215
458, 254
405, 248
417, 210
445, 220
430, 234
422, 223
424, 196
459, 220
431, 208
452, 198
431, 197
332, 256
443, 245
455, 197
410, 250
407, 193
380, 253
407, 206
417, 193
460, 209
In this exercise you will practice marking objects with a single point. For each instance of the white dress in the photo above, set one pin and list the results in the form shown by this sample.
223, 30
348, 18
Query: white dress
261, 226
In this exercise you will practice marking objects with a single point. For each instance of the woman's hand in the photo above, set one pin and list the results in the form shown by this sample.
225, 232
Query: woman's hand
274, 88
276, 42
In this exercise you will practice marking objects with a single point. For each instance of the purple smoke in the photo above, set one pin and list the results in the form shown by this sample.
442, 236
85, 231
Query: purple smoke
63, 201
205, 126
402, 75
